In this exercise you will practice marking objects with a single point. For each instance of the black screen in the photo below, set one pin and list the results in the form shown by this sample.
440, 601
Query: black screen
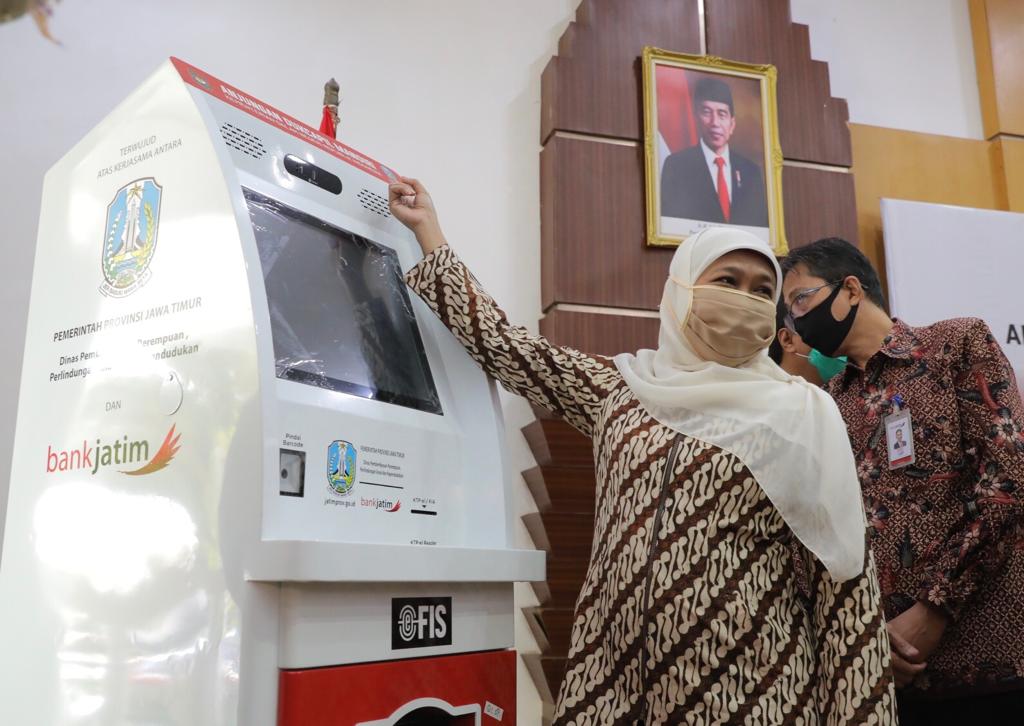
340, 314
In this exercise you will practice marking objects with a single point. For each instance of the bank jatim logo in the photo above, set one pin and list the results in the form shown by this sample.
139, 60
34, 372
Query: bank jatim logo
381, 503
420, 622
123, 452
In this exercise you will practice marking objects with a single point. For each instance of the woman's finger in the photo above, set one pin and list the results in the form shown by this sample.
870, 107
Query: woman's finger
415, 184
398, 189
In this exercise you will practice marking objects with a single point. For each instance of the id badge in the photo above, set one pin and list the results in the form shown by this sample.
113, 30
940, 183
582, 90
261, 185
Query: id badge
899, 439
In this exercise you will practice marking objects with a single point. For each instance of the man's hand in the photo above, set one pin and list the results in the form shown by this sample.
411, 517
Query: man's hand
412, 206
906, 660
915, 634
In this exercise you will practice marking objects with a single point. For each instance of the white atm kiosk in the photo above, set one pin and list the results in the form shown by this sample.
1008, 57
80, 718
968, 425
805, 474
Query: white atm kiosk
255, 481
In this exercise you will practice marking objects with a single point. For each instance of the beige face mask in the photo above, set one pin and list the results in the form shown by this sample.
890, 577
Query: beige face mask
728, 326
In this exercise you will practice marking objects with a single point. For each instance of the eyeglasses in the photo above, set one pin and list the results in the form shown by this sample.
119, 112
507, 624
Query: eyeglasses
802, 302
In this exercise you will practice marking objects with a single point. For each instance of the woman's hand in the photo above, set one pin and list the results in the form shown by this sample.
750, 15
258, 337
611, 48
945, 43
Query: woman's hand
412, 206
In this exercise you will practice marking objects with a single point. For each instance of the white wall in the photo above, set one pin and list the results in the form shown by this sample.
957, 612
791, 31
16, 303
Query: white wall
448, 91
906, 64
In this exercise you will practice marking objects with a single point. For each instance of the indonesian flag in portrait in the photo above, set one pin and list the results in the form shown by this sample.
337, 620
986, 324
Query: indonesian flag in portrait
677, 128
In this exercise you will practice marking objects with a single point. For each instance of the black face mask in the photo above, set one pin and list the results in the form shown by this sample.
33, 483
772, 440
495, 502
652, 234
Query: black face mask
820, 330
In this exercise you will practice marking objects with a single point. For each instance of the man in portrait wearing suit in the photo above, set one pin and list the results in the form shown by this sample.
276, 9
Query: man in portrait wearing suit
708, 181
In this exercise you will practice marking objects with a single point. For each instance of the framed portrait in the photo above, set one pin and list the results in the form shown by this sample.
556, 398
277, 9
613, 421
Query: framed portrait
711, 147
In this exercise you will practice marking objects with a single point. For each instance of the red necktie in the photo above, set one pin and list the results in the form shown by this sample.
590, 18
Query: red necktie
723, 188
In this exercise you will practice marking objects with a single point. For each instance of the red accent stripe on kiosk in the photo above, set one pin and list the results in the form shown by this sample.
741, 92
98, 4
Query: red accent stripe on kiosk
347, 695
265, 112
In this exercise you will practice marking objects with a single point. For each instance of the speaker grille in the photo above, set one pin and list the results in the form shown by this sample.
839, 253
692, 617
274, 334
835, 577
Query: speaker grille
247, 143
374, 202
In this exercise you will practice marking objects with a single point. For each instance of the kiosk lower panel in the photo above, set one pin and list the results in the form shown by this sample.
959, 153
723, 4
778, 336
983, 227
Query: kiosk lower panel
462, 690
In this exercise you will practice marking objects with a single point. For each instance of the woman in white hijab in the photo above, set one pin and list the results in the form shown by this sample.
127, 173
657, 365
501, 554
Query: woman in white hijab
728, 581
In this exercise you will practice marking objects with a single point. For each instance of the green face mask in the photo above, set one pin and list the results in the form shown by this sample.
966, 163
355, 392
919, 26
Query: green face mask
827, 367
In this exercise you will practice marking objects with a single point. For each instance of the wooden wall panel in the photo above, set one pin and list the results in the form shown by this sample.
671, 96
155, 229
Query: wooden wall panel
564, 581
592, 231
593, 85
996, 164
1008, 153
546, 672
552, 177
569, 534
600, 333
920, 167
555, 627
1006, 34
983, 67
594, 241
812, 124
818, 203
562, 488
998, 30
553, 442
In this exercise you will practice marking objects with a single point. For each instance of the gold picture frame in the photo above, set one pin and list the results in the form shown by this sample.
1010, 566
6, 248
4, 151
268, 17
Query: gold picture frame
684, 138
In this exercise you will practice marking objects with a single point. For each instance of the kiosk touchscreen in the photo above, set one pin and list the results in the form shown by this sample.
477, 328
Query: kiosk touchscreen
255, 480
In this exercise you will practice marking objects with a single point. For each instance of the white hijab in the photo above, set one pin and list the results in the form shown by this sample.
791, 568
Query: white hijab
787, 432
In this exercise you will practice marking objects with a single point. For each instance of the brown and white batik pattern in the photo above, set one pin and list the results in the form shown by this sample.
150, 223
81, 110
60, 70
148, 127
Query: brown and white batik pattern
690, 611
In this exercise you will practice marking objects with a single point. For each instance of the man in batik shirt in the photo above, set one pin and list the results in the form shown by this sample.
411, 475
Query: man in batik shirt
946, 509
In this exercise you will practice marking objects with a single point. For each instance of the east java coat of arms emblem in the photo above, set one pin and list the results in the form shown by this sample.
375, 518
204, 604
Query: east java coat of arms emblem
133, 217
341, 467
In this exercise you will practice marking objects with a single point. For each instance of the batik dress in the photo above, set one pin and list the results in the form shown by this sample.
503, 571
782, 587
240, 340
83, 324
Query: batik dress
691, 611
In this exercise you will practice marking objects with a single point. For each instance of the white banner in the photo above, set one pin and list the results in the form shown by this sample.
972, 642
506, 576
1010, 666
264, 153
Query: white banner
954, 262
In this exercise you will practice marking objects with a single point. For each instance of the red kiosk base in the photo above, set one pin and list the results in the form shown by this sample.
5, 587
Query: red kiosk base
464, 690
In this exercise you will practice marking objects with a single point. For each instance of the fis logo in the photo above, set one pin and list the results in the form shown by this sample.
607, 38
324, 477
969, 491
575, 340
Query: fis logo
120, 452
420, 622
